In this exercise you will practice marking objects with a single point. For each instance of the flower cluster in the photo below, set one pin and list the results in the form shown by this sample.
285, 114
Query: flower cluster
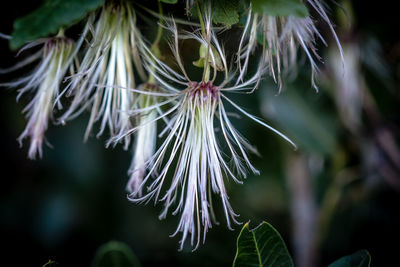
281, 37
185, 143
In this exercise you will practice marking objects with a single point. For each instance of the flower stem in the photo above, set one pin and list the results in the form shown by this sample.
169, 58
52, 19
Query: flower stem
159, 28
203, 28
206, 74
154, 47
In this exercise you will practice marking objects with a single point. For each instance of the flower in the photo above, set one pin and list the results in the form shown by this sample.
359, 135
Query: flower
145, 139
192, 111
281, 37
107, 70
56, 59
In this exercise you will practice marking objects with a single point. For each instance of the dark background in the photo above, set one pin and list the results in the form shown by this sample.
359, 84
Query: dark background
65, 206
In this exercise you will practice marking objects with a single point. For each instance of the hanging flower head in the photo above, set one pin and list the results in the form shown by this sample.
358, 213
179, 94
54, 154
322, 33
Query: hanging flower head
191, 151
56, 58
107, 70
146, 135
281, 36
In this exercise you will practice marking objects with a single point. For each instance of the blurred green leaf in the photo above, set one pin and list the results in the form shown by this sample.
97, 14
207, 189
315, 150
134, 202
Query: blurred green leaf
169, 1
262, 246
280, 7
115, 254
361, 258
302, 119
49, 18
225, 12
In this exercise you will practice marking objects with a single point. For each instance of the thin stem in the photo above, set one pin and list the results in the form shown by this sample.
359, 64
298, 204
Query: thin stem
154, 47
206, 72
159, 29
203, 28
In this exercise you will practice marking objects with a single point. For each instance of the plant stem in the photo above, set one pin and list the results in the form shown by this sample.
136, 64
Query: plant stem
203, 28
154, 47
159, 29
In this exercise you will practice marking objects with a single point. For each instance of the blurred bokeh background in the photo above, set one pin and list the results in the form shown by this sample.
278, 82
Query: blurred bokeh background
338, 193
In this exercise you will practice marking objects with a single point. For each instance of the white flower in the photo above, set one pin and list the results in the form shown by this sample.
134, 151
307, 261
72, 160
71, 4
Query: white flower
107, 70
281, 37
145, 138
56, 58
191, 150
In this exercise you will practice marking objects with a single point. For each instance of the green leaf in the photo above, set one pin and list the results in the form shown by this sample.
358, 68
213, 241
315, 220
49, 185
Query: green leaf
225, 12
49, 18
361, 258
262, 246
280, 7
169, 1
115, 254
302, 117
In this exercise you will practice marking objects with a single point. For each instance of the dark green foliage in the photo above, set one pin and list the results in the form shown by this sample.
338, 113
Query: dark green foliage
49, 18
361, 258
226, 12
262, 246
169, 1
280, 7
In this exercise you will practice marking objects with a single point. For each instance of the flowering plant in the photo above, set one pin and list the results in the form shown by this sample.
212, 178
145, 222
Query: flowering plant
126, 65
103, 80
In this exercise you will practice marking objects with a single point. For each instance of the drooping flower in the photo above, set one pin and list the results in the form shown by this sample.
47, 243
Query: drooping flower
107, 70
56, 58
195, 110
145, 137
281, 36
